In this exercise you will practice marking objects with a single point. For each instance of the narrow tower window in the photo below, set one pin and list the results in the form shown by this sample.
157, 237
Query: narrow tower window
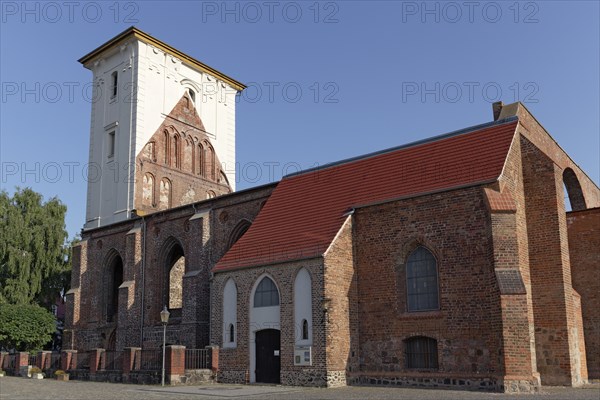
111, 144
115, 84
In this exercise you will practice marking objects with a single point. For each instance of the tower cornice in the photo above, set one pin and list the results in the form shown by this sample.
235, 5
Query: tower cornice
140, 35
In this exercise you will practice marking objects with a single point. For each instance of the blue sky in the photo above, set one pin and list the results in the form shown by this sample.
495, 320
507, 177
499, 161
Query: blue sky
327, 80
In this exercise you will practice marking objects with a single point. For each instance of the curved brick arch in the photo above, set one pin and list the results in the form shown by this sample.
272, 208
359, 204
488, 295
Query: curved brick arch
237, 232
113, 274
172, 261
573, 189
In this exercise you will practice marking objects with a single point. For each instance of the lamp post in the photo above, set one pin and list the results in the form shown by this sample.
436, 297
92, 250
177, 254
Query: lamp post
164, 318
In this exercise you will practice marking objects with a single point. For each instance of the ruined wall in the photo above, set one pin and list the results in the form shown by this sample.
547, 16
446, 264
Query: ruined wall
201, 231
584, 244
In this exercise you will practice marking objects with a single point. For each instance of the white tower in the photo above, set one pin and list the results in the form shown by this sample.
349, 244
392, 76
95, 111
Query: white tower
138, 80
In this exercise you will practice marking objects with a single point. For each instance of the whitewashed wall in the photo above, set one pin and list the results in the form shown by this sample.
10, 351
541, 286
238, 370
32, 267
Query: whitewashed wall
150, 84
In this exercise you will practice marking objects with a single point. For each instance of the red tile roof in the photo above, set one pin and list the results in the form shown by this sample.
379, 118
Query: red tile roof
306, 210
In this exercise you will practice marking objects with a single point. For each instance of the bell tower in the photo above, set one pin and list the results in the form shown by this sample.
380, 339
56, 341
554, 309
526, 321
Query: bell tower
162, 130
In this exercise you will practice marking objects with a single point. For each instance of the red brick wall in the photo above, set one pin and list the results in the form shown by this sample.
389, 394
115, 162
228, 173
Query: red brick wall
234, 362
455, 227
342, 311
142, 244
191, 175
534, 174
584, 242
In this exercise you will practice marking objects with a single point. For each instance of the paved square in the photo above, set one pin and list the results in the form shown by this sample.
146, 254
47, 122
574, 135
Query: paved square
13, 388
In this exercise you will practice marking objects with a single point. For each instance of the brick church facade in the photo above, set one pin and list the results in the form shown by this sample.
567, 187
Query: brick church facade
449, 262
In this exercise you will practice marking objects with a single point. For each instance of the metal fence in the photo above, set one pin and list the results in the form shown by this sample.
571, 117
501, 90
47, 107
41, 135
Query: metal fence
12, 361
113, 360
83, 360
55, 361
150, 360
33, 360
197, 359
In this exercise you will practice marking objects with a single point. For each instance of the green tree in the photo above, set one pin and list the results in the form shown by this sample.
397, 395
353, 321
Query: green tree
25, 327
34, 255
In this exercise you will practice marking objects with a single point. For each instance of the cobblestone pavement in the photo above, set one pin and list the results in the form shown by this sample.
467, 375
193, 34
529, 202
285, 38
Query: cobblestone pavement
29, 389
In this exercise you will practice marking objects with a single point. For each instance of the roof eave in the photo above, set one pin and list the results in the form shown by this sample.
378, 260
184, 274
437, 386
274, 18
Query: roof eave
143, 36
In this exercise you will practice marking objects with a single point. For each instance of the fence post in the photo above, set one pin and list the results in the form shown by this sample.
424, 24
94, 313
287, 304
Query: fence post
214, 357
175, 363
43, 359
130, 362
22, 360
3, 360
68, 360
95, 360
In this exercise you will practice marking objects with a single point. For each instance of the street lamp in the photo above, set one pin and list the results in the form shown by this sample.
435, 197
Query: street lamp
164, 318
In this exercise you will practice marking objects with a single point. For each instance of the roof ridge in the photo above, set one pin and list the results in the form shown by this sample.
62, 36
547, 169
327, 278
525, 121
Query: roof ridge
431, 139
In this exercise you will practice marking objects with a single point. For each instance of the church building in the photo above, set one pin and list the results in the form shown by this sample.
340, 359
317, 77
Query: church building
465, 260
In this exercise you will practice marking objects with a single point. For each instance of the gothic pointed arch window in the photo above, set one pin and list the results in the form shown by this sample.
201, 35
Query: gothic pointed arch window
177, 151
210, 163
174, 270
303, 307
165, 194
148, 190
266, 294
112, 282
304, 329
192, 157
201, 157
150, 151
229, 313
166, 147
422, 281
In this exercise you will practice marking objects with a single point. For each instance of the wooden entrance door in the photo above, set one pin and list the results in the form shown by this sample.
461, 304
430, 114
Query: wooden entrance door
268, 362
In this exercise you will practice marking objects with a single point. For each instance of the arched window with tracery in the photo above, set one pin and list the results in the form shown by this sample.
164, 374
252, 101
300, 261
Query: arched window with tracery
266, 294
422, 281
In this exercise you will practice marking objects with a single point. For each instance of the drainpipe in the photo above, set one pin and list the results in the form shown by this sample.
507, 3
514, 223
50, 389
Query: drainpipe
143, 278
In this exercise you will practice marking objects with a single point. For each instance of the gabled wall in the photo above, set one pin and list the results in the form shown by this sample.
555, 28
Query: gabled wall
534, 174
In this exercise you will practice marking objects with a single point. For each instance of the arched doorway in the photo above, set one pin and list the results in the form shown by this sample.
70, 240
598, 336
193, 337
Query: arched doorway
174, 270
113, 282
268, 364
112, 341
264, 331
